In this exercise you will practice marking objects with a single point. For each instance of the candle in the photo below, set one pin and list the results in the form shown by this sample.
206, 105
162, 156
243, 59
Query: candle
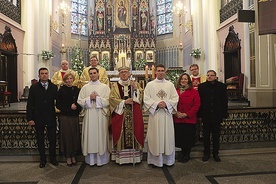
147, 72
152, 72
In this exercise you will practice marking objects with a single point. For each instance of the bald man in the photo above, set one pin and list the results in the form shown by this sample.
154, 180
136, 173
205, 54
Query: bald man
57, 77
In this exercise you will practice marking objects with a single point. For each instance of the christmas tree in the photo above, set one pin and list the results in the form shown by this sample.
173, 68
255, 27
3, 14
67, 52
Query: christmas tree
77, 60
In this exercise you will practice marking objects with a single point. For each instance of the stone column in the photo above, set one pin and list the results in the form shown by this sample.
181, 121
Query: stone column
205, 17
36, 23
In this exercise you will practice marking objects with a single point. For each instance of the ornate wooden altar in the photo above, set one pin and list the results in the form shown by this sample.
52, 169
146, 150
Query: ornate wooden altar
122, 32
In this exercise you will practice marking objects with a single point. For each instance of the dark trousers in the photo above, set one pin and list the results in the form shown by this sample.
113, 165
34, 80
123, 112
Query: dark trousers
208, 128
51, 134
185, 137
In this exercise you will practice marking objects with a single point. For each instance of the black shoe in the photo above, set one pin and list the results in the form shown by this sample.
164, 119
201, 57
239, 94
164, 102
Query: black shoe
42, 164
205, 158
185, 159
54, 162
180, 157
216, 158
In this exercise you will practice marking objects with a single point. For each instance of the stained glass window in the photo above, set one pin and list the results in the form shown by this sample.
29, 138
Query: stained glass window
79, 17
164, 17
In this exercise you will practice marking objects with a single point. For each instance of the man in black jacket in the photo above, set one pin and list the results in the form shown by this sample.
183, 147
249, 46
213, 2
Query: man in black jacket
41, 114
214, 107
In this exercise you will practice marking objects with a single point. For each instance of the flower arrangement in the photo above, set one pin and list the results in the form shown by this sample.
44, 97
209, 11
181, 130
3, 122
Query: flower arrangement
196, 53
140, 64
105, 64
46, 55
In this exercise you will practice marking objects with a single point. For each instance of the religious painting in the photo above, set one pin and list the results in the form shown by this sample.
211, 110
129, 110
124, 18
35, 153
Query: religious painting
94, 53
105, 56
149, 56
122, 13
139, 55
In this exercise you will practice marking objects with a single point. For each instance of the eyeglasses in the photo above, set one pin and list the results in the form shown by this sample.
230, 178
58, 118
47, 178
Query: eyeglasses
193, 69
210, 75
123, 72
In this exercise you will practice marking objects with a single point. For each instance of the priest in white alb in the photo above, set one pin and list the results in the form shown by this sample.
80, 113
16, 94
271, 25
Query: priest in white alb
160, 100
94, 98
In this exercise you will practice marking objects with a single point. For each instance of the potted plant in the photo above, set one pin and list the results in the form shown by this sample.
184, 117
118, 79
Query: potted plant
196, 53
140, 64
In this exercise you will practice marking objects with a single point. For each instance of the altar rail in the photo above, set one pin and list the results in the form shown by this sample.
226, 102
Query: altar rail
243, 125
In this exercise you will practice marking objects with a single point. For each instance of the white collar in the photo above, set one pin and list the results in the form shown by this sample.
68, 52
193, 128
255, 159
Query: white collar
157, 80
124, 83
96, 82
64, 70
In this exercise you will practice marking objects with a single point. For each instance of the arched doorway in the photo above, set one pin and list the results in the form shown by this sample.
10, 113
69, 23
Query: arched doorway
8, 62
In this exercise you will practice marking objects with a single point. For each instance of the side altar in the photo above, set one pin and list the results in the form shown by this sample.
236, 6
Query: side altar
122, 32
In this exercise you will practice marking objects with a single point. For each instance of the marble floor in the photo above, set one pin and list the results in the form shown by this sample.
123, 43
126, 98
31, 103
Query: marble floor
247, 166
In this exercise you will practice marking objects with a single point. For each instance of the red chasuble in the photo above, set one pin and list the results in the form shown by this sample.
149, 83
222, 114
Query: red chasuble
131, 115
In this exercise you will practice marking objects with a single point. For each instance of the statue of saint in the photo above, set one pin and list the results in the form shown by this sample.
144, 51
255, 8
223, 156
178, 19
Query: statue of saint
122, 13
100, 20
144, 21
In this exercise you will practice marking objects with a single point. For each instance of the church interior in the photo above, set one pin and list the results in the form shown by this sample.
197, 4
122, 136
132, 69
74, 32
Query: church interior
235, 38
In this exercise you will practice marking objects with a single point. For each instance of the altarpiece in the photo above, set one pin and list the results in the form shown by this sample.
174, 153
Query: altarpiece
122, 32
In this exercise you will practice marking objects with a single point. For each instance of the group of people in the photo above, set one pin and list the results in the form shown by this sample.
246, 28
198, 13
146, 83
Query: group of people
116, 110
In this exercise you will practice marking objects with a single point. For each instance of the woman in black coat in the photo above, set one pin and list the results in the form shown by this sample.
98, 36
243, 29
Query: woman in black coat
69, 127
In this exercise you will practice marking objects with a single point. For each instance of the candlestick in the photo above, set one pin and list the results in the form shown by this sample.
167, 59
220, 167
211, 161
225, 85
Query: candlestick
147, 72
153, 72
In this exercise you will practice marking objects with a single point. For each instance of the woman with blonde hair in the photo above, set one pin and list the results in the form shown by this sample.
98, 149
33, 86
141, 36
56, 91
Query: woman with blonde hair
69, 127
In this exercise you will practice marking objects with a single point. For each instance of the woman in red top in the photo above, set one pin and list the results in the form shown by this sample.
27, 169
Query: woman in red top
185, 118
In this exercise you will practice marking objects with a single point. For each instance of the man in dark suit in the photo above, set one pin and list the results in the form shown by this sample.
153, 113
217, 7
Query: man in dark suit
41, 114
214, 107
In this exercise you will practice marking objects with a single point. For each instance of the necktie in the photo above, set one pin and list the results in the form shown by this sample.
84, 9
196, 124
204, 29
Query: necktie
45, 86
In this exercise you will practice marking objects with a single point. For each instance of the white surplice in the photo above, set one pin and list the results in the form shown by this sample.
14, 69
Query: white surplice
95, 123
160, 132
